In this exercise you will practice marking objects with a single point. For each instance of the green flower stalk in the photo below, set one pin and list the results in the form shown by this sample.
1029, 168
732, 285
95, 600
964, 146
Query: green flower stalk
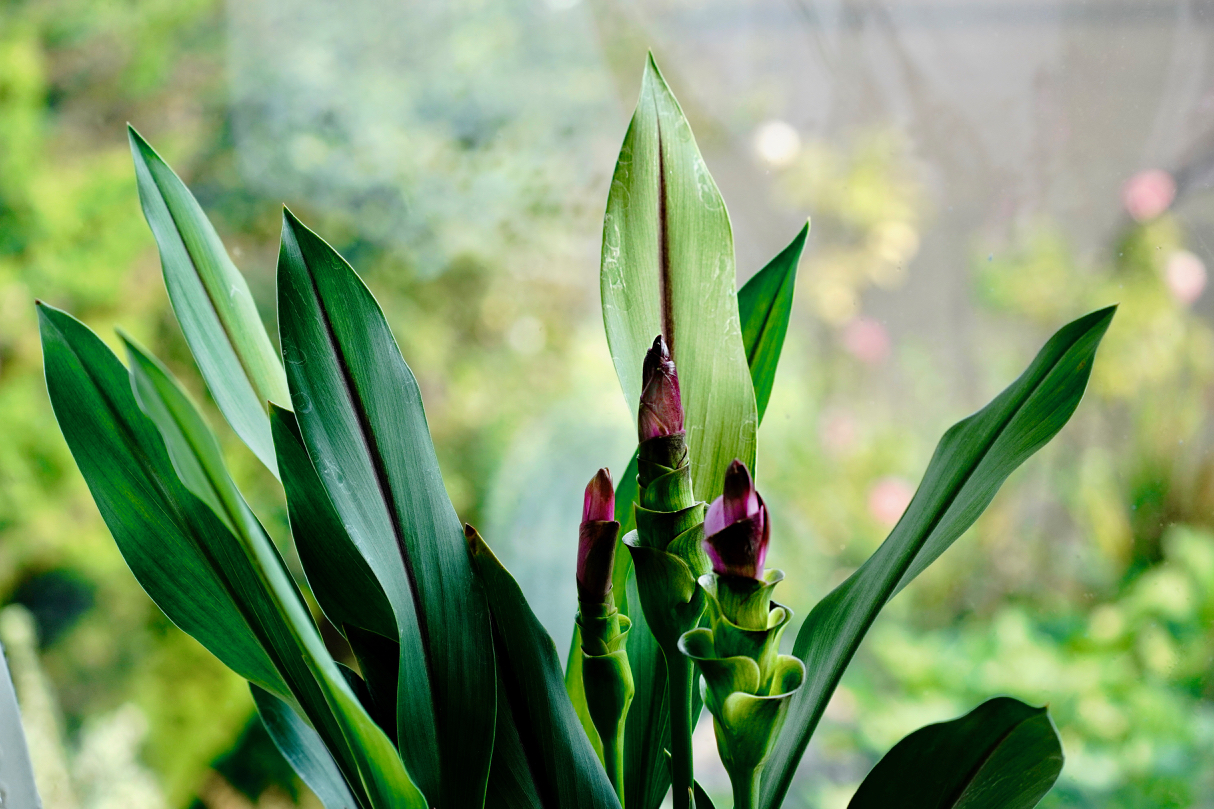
666, 547
747, 682
606, 675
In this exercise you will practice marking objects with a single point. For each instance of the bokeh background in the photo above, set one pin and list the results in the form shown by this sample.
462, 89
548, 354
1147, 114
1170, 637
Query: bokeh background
978, 173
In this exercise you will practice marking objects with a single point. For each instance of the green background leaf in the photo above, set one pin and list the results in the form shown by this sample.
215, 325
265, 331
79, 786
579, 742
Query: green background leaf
971, 462
212, 302
1001, 755
668, 267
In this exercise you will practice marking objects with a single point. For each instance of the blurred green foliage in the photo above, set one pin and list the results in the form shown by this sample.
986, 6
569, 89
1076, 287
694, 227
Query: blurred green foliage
1089, 584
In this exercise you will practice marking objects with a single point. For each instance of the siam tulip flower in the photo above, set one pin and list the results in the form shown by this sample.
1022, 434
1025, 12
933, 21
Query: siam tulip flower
736, 527
596, 540
661, 409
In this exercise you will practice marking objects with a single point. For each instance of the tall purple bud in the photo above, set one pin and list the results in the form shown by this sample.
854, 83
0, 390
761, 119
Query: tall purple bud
736, 529
661, 411
596, 540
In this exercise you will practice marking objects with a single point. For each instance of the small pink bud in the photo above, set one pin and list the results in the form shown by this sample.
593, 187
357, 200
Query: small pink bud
736, 530
661, 410
596, 540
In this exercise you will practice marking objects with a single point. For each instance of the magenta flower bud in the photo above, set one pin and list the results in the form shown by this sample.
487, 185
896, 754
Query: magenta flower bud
661, 410
596, 540
736, 529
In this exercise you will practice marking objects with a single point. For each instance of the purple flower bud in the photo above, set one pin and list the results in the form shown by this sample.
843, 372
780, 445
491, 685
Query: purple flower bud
596, 540
661, 411
736, 529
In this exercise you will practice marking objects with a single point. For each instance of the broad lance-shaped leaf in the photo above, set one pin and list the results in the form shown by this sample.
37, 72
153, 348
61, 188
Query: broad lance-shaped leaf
563, 765
1001, 755
212, 303
360, 413
765, 304
971, 462
668, 268
16, 772
304, 750
160, 527
254, 573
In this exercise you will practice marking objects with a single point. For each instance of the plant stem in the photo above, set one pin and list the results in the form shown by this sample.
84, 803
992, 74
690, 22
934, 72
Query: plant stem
680, 679
745, 788
613, 763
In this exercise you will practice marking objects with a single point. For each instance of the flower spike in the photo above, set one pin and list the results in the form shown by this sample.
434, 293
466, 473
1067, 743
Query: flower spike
661, 410
736, 527
596, 540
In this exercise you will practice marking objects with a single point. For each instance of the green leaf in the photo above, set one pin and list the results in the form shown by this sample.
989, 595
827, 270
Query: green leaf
16, 771
212, 303
1001, 755
160, 527
564, 766
668, 267
303, 749
360, 413
702, 801
765, 303
254, 573
971, 462
339, 577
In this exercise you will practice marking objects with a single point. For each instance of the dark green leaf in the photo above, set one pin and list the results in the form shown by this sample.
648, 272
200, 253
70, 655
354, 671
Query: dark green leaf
212, 303
765, 303
1001, 755
339, 577
668, 267
360, 412
252, 571
971, 462
564, 767
159, 526
379, 659
304, 751
702, 801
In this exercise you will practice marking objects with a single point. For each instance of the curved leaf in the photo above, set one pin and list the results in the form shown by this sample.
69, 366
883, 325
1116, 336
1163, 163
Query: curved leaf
971, 462
764, 304
253, 572
160, 527
361, 416
564, 767
1001, 755
212, 302
304, 751
668, 267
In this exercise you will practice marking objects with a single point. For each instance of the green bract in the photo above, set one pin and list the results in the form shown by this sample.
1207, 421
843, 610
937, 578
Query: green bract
459, 700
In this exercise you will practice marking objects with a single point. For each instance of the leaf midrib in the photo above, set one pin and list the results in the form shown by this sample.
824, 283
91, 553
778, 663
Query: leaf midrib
959, 791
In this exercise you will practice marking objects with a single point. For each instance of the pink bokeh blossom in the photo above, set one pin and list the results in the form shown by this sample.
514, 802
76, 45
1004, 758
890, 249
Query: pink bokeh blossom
1148, 194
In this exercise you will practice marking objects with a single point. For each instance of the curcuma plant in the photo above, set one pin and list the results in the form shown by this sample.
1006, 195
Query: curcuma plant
458, 699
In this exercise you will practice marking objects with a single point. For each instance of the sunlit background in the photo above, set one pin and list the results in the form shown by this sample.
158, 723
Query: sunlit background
978, 173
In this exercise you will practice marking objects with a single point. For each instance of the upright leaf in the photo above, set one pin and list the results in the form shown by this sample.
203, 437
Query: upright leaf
971, 462
361, 416
160, 527
253, 572
668, 267
212, 303
564, 766
304, 750
765, 304
1001, 755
